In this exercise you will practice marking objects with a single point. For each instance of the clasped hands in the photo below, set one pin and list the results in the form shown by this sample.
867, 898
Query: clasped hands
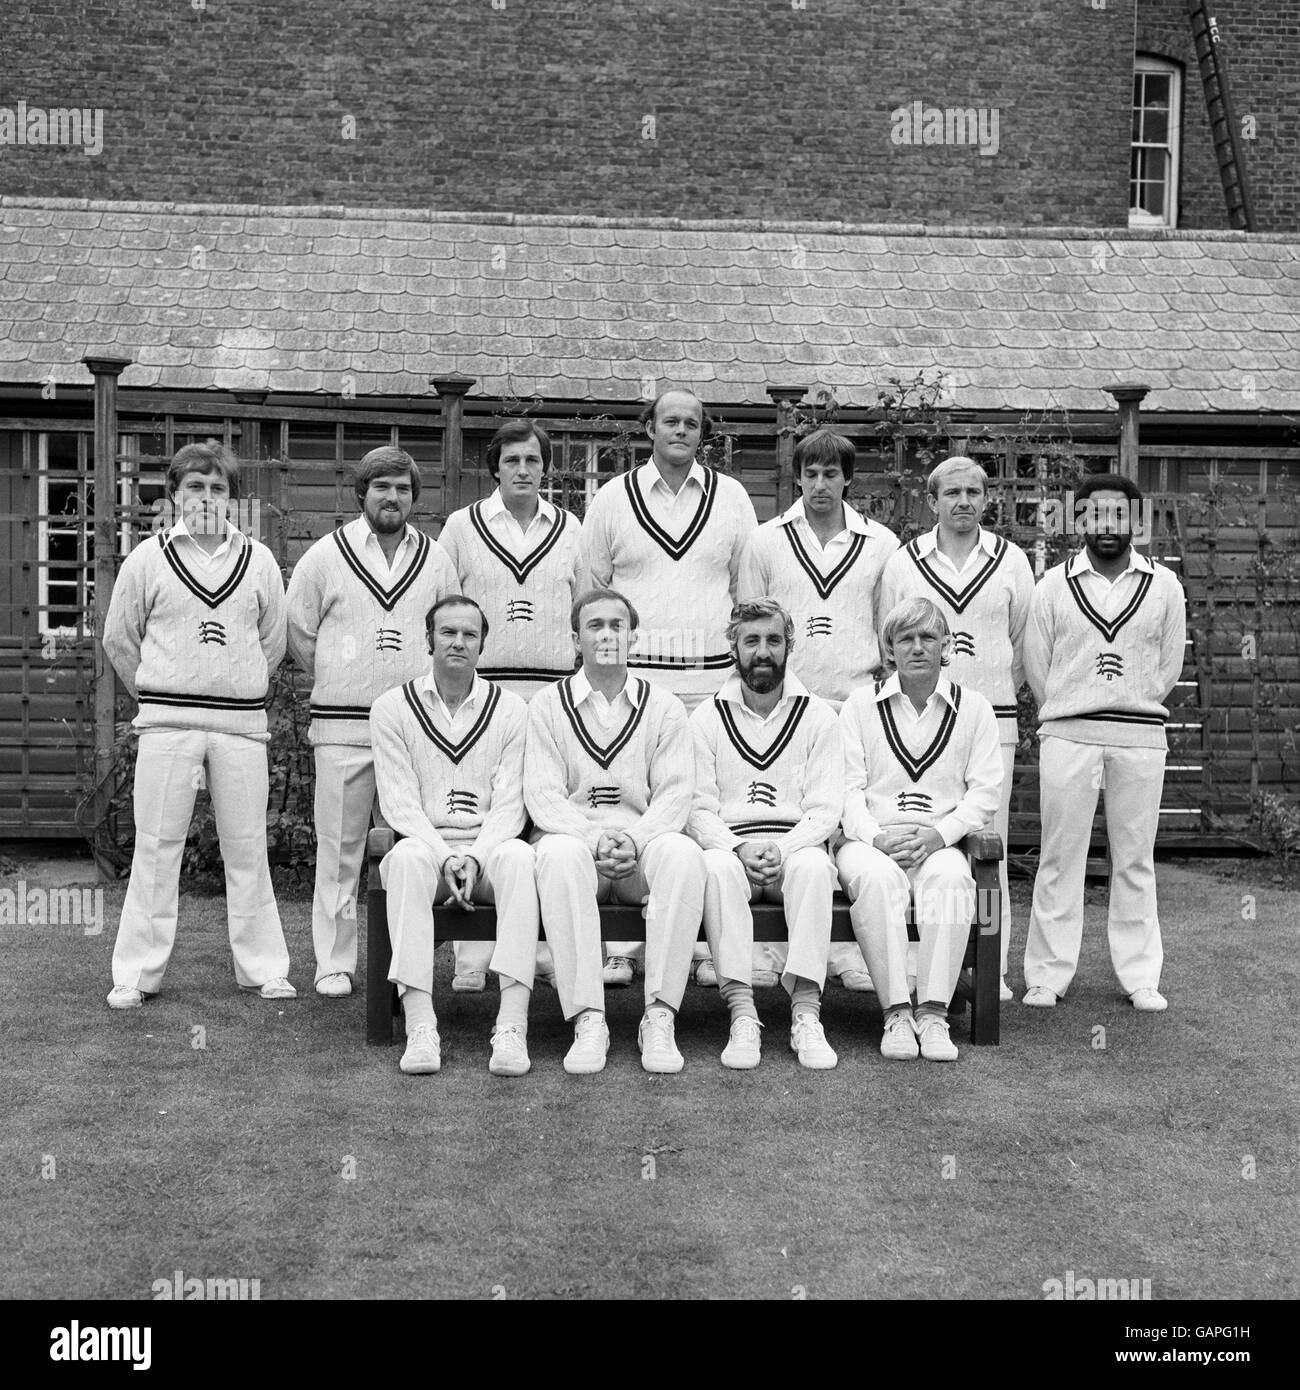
616, 855
909, 846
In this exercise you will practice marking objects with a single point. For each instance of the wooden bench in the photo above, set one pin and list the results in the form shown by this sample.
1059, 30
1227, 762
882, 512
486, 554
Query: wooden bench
625, 923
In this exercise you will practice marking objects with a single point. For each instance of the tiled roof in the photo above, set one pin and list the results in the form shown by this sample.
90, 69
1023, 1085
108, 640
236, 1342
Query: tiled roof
295, 299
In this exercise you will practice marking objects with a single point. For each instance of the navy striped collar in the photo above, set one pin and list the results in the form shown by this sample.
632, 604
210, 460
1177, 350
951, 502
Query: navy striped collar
606, 753
958, 599
424, 717
386, 598
212, 597
675, 549
520, 568
917, 765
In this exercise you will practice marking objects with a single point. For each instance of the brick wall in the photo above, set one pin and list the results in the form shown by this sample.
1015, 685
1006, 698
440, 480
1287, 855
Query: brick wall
1261, 43
761, 108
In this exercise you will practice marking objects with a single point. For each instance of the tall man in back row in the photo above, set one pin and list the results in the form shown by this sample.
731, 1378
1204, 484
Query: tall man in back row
982, 585
1104, 647
669, 535
357, 602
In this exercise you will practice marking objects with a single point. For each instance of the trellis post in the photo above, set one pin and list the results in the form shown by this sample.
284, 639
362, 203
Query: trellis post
451, 392
105, 371
785, 398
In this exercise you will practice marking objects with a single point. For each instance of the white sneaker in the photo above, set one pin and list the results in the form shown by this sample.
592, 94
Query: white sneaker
618, 971
471, 982
278, 989
1004, 991
705, 974
1039, 997
936, 1045
658, 1046
1149, 1001
120, 997
809, 1041
337, 986
423, 1051
899, 1041
744, 1047
858, 980
590, 1046
509, 1052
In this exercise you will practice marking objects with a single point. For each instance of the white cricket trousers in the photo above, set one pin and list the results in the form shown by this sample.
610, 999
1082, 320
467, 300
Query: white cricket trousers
409, 873
1069, 778
806, 888
345, 802
942, 892
671, 870
170, 766
846, 956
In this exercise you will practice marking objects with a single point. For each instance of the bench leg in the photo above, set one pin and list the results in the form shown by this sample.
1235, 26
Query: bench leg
379, 957
985, 1024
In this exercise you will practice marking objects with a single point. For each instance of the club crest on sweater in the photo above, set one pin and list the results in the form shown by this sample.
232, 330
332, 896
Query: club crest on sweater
519, 610
212, 632
817, 627
963, 643
1110, 665
914, 801
604, 796
761, 794
461, 803
388, 639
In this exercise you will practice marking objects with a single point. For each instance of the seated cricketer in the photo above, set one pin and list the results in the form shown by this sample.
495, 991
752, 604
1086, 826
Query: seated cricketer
769, 792
609, 772
924, 770
449, 763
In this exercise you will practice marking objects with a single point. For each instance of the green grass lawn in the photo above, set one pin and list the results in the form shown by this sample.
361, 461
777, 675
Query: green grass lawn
982, 1179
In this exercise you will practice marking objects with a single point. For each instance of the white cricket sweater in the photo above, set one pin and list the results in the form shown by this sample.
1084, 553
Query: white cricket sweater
197, 645
986, 608
834, 600
356, 635
458, 795
683, 585
945, 771
637, 777
1101, 662
779, 779
526, 595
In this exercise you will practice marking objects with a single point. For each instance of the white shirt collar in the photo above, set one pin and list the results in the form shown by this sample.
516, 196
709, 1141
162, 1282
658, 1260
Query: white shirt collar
180, 529
582, 689
853, 519
475, 697
928, 542
493, 507
650, 475
894, 686
1082, 564
361, 534
733, 689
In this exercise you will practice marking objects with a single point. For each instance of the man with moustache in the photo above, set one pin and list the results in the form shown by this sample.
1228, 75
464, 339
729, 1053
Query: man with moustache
1103, 648
769, 792
357, 603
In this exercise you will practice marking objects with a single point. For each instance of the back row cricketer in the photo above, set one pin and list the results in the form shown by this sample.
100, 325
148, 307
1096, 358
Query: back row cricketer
357, 603
195, 630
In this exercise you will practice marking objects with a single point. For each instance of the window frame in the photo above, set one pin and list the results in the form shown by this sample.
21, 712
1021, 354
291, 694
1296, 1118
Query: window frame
1151, 64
